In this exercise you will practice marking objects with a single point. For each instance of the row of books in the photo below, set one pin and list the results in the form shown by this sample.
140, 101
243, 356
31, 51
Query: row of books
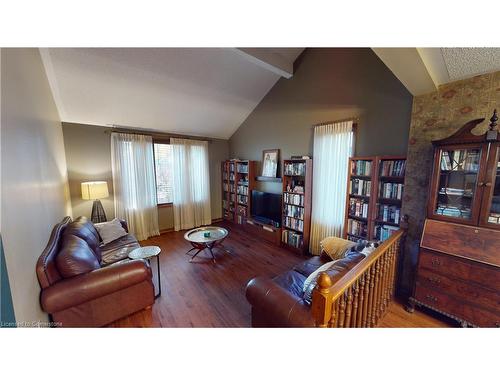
392, 168
293, 211
389, 214
292, 238
460, 160
297, 199
494, 218
229, 177
229, 188
241, 210
295, 187
391, 190
383, 232
242, 189
358, 207
295, 169
227, 205
242, 199
242, 168
231, 167
358, 228
361, 187
453, 211
293, 223
361, 167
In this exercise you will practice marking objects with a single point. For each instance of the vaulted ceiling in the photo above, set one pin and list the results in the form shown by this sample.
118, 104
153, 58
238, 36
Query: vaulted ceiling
423, 70
193, 91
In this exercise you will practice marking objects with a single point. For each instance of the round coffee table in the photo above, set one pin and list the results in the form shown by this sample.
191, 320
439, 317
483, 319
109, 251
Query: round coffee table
206, 238
148, 252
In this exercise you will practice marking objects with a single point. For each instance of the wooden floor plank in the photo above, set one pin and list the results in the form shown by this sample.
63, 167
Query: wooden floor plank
203, 294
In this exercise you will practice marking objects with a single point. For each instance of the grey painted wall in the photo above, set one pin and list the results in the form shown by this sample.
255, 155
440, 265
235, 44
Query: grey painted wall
88, 156
328, 84
34, 178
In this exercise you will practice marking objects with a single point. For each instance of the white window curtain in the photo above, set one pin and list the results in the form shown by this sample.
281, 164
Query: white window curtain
333, 145
134, 183
190, 183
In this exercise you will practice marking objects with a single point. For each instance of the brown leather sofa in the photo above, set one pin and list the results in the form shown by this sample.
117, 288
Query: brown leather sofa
84, 284
280, 302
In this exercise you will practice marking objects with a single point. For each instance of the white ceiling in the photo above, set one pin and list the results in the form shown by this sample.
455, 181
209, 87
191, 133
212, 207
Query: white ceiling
192, 91
423, 70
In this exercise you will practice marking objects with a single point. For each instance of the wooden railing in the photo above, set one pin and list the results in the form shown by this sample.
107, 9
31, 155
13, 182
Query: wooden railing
361, 297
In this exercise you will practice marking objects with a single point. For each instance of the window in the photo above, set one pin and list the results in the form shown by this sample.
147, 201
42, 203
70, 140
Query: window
163, 169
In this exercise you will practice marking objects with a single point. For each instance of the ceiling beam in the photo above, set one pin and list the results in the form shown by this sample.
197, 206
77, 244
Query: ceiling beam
269, 60
408, 66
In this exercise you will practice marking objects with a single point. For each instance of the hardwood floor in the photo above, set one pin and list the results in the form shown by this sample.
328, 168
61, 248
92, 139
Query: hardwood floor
203, 294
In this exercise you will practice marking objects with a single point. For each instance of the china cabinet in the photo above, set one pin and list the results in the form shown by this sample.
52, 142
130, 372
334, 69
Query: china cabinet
458, 270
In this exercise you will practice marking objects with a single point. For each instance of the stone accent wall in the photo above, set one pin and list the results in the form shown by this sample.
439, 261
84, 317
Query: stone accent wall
435, 116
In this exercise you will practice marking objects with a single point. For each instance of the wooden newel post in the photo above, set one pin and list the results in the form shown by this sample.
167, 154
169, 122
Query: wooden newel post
321, 303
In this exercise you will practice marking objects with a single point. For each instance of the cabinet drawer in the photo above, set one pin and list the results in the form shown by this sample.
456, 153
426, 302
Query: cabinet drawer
454, 267
445, 303
479, 244
472, 293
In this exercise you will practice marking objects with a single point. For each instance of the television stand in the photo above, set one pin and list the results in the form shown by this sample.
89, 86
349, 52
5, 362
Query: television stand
264, 231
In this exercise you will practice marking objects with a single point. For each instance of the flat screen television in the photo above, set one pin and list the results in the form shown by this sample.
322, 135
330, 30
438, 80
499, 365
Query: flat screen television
266, 207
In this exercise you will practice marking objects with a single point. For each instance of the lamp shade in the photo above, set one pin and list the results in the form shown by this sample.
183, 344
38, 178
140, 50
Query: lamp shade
95, 190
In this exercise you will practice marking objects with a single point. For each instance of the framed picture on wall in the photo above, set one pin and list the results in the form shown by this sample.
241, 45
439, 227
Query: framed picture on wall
270, 160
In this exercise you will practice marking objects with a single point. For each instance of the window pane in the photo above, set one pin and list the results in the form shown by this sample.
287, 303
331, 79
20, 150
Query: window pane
163, 166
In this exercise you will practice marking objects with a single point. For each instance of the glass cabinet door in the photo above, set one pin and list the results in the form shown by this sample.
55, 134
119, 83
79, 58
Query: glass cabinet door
492, 192
457, 182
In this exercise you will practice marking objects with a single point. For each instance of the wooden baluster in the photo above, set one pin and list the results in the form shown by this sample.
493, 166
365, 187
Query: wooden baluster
394, 265
342, 311
355, 305
321, 302
377, 293
385, 283
371, 270
333, 320
362, 309
348, 311
337, 312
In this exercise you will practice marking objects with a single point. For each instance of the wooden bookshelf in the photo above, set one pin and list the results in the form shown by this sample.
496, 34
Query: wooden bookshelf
238, 181
390, 187
360, 201
296, 204
369, 192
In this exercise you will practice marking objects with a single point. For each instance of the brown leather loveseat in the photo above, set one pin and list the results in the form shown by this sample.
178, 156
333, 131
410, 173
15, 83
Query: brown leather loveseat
281, 302
85, 284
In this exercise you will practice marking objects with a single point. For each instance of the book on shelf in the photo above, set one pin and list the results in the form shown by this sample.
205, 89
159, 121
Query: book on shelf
389, 213
357, 228
392, 168
293, 223
242, 199
390, 190
293, 211
242, 189
383, 232
294, 169
292, 238
360, 187
358, 207
242, 168
361, 167
290, 198
460, 160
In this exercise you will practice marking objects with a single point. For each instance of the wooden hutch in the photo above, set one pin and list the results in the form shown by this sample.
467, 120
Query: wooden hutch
458, 271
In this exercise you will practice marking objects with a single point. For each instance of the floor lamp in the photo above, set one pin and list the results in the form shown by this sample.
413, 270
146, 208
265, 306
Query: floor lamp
96, 190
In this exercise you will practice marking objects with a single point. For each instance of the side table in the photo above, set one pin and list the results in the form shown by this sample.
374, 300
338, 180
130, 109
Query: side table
148, 252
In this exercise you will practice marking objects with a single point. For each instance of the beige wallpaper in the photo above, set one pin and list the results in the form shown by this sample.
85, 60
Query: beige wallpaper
435, 116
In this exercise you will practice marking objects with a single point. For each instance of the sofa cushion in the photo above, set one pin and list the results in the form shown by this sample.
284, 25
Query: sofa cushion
291, 281
75, 257
335, 247
110, 230
118, 249
83, 228
336, 270
310, 265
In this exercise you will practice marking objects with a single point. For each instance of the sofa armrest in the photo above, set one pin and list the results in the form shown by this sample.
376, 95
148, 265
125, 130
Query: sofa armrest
100, 282
124, 225
277, 306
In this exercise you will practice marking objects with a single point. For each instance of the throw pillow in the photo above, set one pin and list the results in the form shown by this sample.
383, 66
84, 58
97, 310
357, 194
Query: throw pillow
313, 276
110, 230
335, 247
